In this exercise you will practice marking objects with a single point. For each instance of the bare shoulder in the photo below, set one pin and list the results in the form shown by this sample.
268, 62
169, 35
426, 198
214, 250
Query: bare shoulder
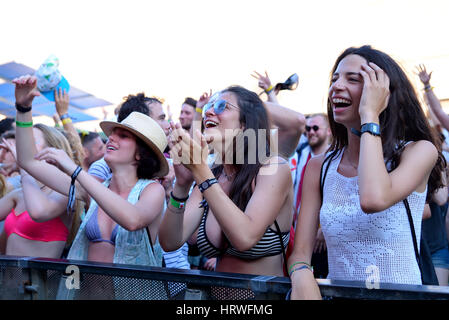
154, 188
421, 149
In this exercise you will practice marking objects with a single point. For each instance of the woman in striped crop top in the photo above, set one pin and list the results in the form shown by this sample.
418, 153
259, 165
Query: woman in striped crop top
243, 218
383, 152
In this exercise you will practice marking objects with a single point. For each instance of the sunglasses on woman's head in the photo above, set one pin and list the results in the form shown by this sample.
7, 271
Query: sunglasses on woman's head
219, 106
315, 128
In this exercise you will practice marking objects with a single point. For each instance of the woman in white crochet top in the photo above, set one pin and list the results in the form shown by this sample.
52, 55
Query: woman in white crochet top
383, 152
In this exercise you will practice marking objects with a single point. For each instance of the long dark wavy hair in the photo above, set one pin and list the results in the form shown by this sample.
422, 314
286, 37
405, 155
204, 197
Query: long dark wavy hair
148, 164
253, 116
403, 120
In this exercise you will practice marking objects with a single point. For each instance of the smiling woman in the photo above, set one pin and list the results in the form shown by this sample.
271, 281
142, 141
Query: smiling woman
241, 212
383, 151
125, 205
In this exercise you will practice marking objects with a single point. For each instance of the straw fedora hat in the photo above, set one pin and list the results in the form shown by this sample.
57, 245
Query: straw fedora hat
146, 129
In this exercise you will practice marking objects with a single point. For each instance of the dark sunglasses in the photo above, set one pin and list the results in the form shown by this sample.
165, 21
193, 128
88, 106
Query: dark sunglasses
315, 128
218, 105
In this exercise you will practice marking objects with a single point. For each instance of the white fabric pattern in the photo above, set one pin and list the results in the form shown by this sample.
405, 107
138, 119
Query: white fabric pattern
356, 241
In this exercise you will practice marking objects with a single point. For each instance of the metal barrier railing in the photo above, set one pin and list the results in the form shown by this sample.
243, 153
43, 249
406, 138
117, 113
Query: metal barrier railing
39, 278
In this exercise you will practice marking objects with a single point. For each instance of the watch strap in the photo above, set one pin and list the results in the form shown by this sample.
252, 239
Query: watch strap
371, 127
203, 186
22, 109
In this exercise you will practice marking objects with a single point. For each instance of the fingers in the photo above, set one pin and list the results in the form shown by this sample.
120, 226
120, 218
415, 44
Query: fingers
381, 75
258, 75
374, 74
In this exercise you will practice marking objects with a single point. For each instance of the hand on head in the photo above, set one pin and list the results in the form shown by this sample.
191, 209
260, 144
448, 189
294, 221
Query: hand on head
376, 90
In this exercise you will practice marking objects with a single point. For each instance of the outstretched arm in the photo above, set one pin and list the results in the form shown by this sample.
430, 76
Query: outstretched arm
432, 99
46, 173
40, 206
304, 285
62, 108
290, 125
129, 216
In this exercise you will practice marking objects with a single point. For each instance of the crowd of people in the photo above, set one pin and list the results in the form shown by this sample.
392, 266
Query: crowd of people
241, 184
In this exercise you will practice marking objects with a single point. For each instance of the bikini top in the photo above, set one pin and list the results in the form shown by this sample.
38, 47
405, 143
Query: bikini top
268, 245
25, 227
93, 233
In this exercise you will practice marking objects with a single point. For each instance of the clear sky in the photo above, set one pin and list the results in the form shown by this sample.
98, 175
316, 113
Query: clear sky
174, 49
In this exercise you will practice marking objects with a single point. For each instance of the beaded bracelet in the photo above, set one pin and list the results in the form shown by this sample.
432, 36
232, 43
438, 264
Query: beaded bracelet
299, 262
300, 268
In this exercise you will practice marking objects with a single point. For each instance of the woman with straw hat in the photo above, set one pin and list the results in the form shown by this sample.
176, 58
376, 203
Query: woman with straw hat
121, 208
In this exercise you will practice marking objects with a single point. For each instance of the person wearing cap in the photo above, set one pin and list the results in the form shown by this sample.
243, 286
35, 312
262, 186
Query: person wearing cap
121, 225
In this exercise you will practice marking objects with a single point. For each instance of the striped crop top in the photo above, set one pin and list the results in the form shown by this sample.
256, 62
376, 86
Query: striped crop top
268, 245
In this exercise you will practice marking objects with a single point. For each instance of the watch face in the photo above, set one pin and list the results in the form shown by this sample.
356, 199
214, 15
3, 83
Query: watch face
204, 185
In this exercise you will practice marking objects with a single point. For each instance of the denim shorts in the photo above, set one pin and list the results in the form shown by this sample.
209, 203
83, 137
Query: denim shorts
440, 258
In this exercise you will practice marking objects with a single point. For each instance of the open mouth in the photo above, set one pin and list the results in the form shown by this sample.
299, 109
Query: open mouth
210, 124
110, 148
341, 103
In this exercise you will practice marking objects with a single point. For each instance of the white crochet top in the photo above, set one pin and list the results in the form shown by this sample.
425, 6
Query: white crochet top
357, 241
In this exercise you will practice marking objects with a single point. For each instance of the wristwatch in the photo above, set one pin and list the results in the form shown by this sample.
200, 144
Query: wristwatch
203, 186
370, 127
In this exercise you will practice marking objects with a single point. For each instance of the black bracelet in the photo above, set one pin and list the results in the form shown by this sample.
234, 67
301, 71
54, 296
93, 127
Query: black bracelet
178, 199
22, 109
203, 186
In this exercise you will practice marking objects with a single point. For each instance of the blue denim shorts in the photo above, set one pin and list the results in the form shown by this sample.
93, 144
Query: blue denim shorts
440, 258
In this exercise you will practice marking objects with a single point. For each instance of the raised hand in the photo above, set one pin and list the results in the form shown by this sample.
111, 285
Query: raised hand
376, 92
423, 75
192, 153
26, 90
61, 101
205, 97
264, 81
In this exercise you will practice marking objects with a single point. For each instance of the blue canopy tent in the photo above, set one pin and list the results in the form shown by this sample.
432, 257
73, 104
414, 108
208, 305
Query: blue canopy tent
79, 100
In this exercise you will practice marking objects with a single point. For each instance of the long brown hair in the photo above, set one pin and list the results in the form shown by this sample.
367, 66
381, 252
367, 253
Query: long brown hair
403, 120
253, 116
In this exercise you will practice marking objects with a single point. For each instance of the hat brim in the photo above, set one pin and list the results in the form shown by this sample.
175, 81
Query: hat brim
108, 126
63, 84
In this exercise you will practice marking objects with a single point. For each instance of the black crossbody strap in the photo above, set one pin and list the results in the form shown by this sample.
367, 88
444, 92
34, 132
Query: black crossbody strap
412, 229
282, 245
